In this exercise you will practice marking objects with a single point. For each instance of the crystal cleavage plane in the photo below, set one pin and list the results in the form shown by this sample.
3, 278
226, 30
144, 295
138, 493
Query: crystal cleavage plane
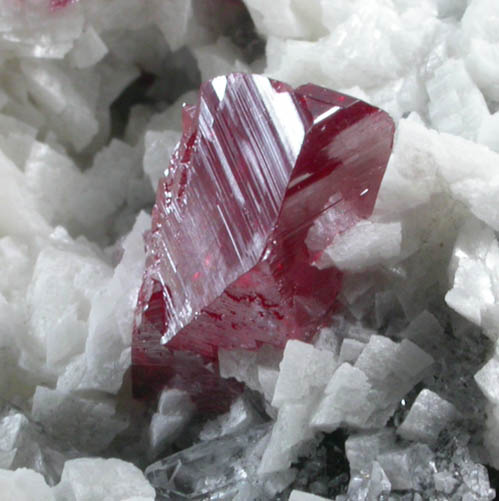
230, 255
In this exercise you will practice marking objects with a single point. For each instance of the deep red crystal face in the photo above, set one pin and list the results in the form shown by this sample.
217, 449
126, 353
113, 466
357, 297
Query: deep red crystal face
227, 260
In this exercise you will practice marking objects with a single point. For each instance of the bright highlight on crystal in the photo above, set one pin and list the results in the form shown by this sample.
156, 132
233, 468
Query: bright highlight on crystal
230, 256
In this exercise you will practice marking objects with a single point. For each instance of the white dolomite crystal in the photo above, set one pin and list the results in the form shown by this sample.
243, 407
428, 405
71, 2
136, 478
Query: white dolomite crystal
24, 485
428, 416
304, 496
365, 245
86, 479
302, 370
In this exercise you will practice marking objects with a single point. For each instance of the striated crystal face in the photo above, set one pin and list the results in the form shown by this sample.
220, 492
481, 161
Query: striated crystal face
228, 264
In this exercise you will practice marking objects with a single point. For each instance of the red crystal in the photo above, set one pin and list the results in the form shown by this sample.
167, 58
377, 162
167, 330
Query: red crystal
227, 261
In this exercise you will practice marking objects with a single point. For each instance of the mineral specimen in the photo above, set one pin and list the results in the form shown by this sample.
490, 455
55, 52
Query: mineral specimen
229, 264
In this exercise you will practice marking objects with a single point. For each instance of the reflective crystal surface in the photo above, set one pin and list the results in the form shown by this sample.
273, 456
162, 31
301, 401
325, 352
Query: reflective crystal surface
215, 469
228, 260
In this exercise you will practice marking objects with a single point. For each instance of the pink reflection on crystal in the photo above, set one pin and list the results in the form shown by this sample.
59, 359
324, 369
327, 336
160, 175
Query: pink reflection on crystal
227, 261
59, 4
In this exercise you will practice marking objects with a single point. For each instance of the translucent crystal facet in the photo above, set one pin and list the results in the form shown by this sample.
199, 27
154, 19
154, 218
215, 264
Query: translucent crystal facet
229, 264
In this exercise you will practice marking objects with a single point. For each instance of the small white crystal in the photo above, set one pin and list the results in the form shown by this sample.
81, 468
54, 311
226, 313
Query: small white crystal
377, 358
304, 496
175, 410
456, 104
88, 50
111, 317
487, 379
428, 416
444, 482
398, 468
347, 400
479, 25
363, 448
268, 360
425, 331
24, 485
303, 369
470, 170
159, 147
489, 132
365, 245
290, 432
69, 100
177, 22
86, 479
64, 281
328, 338
219, 59
240, 417
350, 350
18, 208
277, 18
411, 362
379, 483
411, 169
241, 365
475, 291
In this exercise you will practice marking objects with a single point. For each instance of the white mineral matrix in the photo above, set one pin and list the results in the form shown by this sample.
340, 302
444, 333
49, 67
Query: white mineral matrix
398, 398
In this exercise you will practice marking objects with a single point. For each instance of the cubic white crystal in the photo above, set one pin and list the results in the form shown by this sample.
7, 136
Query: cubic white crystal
425, 331
24, 485
470, 171
456, 104
158, 147
277, 18
398, 468
95, 478
304, 496
365, 245
88, 50
363, 448
347, 400
290, 432
444, 482
268, 360
488, 132
219, 59
350, 350
241, 365
377, 359
428, 416
69, 101
379, 483
303, 369
479, 24
475, 291
64, 282
240, 417
411, 170
487, 379
175, 410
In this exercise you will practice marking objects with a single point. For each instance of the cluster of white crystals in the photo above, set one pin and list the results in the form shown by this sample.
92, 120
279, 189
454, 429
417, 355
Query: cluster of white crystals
90, 111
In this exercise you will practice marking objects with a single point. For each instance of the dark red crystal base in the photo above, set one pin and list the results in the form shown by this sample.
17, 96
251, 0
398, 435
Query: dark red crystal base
227, 259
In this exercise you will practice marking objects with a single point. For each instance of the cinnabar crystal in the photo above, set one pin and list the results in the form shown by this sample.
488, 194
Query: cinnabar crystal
227, 260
